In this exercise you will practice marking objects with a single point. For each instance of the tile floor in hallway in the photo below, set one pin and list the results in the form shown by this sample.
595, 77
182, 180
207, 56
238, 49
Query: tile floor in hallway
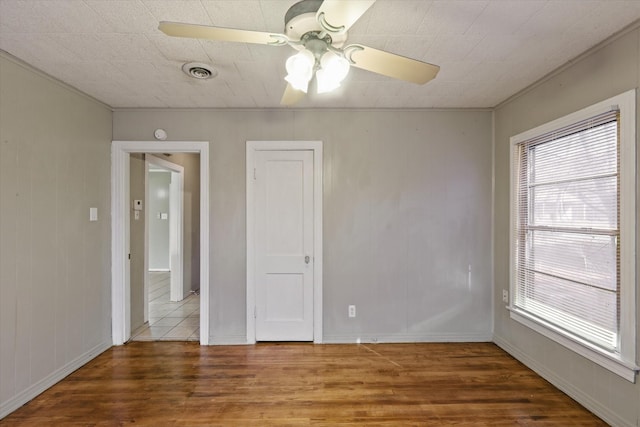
169, 321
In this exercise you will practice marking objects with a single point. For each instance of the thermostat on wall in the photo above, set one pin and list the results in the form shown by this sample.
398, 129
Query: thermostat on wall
160, 134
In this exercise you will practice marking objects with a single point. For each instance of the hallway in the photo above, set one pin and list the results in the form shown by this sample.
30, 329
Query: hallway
169, 321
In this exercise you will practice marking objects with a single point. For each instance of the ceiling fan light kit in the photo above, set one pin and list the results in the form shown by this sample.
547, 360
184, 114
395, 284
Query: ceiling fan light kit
330, 71
318, 30
300, 69
333, 70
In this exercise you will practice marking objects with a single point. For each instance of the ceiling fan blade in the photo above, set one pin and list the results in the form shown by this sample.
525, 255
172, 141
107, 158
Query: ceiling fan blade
390, 64
343, 13
179, 29
291, 95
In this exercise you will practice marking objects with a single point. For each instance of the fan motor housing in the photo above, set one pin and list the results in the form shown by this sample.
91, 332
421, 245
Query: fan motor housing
300, 19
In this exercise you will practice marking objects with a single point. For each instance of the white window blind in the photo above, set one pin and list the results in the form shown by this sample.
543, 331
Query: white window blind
573, 232
567, 229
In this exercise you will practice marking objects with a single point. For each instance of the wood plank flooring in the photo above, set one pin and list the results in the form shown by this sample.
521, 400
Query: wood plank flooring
184, 384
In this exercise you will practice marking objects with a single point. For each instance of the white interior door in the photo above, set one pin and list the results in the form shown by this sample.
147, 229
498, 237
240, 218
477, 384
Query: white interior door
284, 230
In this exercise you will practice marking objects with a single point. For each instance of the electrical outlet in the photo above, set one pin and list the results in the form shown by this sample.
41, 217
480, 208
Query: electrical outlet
505, 296
352, 311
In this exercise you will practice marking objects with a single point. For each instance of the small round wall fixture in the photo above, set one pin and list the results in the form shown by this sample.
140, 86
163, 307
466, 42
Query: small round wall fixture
160, 134
199, 70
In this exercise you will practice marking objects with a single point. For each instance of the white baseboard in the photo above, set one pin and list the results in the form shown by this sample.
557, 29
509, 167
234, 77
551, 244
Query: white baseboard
575, 393
228, 340
35, 389
406, 338
352, 339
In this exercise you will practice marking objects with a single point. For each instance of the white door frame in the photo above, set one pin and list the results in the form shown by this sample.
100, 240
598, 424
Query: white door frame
120, 212
316, 147
176, 242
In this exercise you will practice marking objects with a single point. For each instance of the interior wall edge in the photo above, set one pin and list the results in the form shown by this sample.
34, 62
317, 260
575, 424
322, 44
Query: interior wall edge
50, 380
565, 386
305, 109
492, 272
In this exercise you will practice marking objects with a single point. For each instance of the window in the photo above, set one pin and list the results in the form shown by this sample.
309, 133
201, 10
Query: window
573, 232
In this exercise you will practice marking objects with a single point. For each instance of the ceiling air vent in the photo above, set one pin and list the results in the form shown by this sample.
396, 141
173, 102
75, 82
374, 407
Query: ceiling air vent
199, 71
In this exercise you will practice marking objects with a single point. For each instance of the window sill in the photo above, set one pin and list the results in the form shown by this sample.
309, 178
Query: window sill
624, 369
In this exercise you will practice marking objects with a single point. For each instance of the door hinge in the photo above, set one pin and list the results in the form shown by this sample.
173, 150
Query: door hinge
254, 174
255, 312
129, 256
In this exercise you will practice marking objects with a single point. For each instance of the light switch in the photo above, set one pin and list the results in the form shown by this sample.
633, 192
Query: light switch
136, 215
164, 215
93, 214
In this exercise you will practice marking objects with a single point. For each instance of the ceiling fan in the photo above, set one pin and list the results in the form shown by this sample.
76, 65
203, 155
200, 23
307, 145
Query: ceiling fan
318, 30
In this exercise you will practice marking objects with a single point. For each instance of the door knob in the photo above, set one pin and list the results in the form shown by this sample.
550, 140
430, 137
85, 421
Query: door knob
307, 259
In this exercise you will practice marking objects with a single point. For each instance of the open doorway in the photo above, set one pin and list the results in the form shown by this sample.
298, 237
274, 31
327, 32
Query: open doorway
122, 243
170, 296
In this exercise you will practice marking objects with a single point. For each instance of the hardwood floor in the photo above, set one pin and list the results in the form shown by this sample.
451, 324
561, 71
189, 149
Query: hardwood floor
184, 384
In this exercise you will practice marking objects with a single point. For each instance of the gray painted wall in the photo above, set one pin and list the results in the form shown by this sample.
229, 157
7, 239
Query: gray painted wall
136, 236
55, 265
407, 215
158, 204
607, 72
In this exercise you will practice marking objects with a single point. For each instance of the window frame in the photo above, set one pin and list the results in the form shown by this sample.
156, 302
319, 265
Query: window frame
622, 363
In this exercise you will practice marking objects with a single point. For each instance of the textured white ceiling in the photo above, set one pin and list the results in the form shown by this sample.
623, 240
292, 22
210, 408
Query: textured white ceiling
487, 50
